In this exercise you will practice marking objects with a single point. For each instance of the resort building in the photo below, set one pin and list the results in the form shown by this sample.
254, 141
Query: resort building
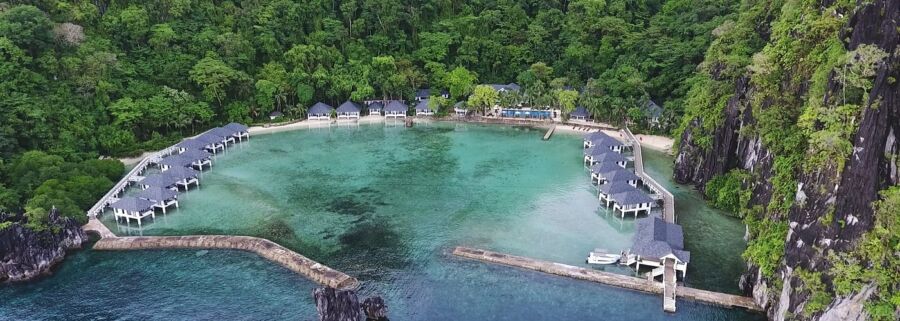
511, 87
460, 109
185, 176
422, 108
598, 154
526, 113
375, 108
603, 167
319, 111
634, 201
213, 142
163, 180
198, 158
396, 109
611, 188
601, 138
618, 175
348, 110
132, 208
162, 198
226, 135
425, 93
656, 241
580, 113
239, 131
653, 112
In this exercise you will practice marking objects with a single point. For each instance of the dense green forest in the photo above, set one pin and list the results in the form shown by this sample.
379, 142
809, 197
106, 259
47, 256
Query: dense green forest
81, 79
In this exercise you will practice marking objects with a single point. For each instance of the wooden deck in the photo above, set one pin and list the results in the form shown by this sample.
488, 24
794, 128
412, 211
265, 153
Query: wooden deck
668, 199
549, 132
670, 286
612, 279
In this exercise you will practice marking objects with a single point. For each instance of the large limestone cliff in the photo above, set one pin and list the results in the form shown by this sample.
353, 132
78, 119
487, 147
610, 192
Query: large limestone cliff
831, 206
26, 254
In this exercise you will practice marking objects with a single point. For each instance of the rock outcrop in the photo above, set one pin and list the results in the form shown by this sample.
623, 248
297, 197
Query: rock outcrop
343, 305
26, 254
831, 207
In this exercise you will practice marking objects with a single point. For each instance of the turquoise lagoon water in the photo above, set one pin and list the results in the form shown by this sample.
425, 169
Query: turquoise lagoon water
385, 204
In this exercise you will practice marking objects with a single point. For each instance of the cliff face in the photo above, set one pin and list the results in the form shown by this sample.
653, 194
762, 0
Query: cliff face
831, 206
26, 254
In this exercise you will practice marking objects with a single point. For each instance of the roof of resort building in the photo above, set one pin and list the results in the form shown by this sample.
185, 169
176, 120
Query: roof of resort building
210, 138
652, 109
177, 161
192, 143
275, 114
159, 180
426, 92
222, 132
196, 154
596, 136
619, 175
348, 107
616, 188
508, 87
423, 106
376, 105
611, 157
157, 194
320, 108
631, 197
605, 167
240, 128
579, 111
132, 204
182, 173
655, 238
396, 105
599, 148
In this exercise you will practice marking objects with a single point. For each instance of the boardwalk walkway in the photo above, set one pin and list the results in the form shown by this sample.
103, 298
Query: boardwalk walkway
549, 132
668, 199
670, 286
132, 176
613, 279
293, 261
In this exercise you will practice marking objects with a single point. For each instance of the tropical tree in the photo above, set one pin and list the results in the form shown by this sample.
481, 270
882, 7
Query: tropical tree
566, 100
460, 81
483, 97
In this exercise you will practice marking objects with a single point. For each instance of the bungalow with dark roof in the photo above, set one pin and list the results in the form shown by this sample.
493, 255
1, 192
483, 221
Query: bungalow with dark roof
580, 113
603, 167
214, 142
422, 108
656, 241
601, 153
611, 188
633, 201
653, 112
225, 134
132, 208
185, 176
162, 198
319, 111
601, 138
618, 175
375, 108
348, 110
425, 93
460, 109
198, 158
163, 180
396, 109
239, 131
508, 87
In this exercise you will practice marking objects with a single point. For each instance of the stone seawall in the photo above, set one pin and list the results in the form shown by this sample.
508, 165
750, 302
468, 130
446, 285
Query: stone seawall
613, 279
267, 249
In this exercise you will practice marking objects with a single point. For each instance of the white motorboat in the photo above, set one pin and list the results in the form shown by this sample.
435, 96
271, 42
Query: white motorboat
600, 256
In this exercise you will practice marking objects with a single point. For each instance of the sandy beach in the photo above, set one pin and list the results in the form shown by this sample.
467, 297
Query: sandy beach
655, 142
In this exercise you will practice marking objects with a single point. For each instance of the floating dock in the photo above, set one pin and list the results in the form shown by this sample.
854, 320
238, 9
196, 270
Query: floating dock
269, 250
549, 132
607, 278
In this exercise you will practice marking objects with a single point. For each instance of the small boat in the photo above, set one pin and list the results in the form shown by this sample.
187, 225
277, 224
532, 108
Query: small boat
601, 256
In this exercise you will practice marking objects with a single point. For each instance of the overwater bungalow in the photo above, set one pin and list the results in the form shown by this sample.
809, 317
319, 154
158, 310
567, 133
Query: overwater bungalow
214, 143
348, 110
619, 175
226, 135
611, 188
185, 176
396, 109
422, 108
601, 138
132, 208
655, 241
600, 168
319, 111
598, 154
177, 160
162, 198
239, 131
163, 180
375, 108
580, 113
198, 144
634, 201
198, 158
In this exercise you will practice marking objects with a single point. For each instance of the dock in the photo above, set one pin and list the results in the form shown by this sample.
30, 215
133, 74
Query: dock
607, 278
549, 132
269, 250
668, 199
134, 175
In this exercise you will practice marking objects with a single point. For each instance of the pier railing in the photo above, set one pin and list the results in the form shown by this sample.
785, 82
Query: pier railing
110, 195
668, 199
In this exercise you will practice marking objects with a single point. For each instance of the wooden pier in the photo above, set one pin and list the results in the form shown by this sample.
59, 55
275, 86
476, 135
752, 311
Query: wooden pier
269, 250
607, 278
668, 199
134, 175
549, 132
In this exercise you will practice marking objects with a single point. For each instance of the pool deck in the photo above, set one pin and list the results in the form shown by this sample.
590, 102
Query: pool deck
607, 278
269, 250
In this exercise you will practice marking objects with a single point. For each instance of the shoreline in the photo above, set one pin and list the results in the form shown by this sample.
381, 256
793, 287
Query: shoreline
655, 142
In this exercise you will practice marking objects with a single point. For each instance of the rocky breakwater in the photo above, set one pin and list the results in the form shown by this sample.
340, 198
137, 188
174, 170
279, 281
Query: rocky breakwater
28, 251
343, 305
